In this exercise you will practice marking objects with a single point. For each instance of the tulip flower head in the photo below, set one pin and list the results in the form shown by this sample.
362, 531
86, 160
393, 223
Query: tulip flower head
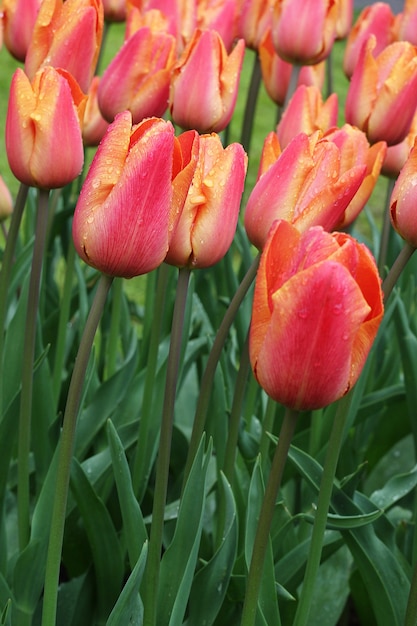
403, 203
406, 23
94, 125
254, 19
382, 96
307, 185
122, 218
205, 82
204, 229
6, 201
316, 311
42, 117
19, 17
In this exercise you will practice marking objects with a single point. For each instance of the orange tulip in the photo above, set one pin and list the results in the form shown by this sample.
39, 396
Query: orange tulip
306, 112
122, 218
205, 82
67, 35
306, 186
382, 96
43, 128
19, 17
403, 203
316, 311
304, 32
94, 125
138, 78
204, 229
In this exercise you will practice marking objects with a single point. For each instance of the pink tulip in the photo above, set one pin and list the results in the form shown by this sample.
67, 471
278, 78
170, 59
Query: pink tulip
19, 17
403, 203
94, 125
254, 19
218, 15
6, 201
316, 311
406, 23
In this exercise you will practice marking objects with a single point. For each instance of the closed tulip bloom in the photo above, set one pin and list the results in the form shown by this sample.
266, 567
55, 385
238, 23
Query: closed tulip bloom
382, 96
306, 112
303, 31
138, 78
376, 19
276, 73
181, 15
19, 17
406, 23
205, 83
254, 19
206, 226
403, 203
305, 186
398, 154
218, 15
316, 311
43, 128
67, 35
344, 18
6, 201
94, 126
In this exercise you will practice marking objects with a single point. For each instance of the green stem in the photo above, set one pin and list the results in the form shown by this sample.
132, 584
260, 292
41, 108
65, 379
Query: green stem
265, 518
250, 107
411, 612
323, 504
213, 358
66, 452
295, 74
164, 452
111, 353
399, 264
267, 427
386, 229
329, 74
64, 313
25, 415
6, 268
142, 458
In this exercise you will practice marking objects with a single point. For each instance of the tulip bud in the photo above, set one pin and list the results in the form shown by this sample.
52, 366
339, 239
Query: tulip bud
304, 32
406, 23
19, 17
397, 154
316, 311
204, 229
138, 78
254, 19
67, 35
306, 186
403, 203
43, 128
6, 202
382, 96
205, 82
94, 125
218, 15
344, 18
122, 218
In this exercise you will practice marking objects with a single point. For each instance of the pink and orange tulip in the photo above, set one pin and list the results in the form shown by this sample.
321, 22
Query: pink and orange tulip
19, 17
254, 19
205, 82
42, 117
306, 186
204, 229
94, 126
397, 155
316, 311
304, 32
67, 35
6, 201
218, 15
382, 96
403, 203
138, 78
406, 23
122, 218
344, 18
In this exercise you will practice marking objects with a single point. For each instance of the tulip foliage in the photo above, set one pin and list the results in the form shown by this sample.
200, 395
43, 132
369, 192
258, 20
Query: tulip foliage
208, 331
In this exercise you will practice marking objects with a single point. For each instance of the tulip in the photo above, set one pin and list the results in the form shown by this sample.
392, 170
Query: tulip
305, 186
114, 10
403, 202
122, 218
181, 15
406, 23
382, 96
344, 18
138, 78
254, 19
153, 19
19, 17
376, 19
6, 202
316, 311
43, 128
67, 35
276, 73
205, 82
205, 228
304, 32
397, 155
306, 113
94, 126
218, 15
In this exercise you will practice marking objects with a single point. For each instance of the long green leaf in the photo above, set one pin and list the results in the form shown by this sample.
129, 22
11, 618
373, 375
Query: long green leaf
128, 608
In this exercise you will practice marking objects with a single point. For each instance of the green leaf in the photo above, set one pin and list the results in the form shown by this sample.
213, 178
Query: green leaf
338, 522
135, 534
6, 615
128, 609
211, 582
28, 576
105, 547
395, 489
331, 590
179, 561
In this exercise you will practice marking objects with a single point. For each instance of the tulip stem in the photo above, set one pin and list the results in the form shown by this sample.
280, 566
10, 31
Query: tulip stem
111, 352
6, 268
66, 448
295, 75
25, 414
212, 361
397, 267
164, 452
386, 229
265, 518
251, 100
323, 504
